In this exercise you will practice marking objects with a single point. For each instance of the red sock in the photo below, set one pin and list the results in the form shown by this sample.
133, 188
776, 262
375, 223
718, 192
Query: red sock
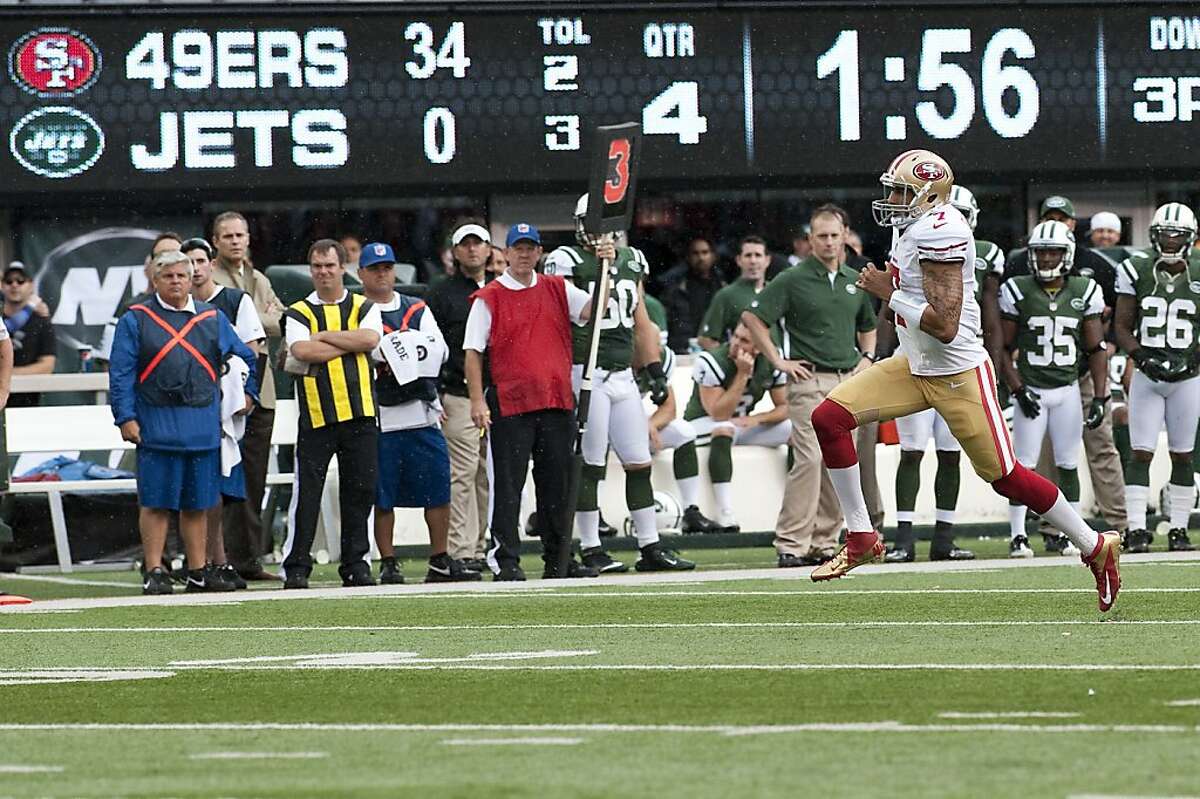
1028, 488
859, 543
833, 424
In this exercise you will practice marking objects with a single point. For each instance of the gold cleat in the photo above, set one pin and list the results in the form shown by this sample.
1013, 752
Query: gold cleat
843, 562
1105, 566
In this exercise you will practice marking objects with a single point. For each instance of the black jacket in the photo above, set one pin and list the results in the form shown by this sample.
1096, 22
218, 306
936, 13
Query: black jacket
450, 302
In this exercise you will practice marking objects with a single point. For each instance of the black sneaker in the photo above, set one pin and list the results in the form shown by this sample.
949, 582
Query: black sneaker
389, 572
1177, 541
445, 569
574, 569
509, 574
953, 553
1138, 541
696, 522
1019, 547
789, 561
231, 575
356, 575
657, 558
295, 579
157, 581
596, 558
207, 579
606, 529
478, 565
1054, 543
900, 555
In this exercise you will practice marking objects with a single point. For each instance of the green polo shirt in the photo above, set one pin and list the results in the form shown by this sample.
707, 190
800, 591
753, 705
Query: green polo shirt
726, 308
820, 317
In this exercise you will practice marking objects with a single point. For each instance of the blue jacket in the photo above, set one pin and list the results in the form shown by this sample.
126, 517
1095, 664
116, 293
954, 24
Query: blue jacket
169, 427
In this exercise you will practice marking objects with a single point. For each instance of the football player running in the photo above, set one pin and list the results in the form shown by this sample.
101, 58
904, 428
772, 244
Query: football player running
1050, 321
1158, 296
942, 364
917, 430
616, 415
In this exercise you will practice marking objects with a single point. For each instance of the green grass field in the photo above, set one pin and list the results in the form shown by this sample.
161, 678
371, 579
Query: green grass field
900, 681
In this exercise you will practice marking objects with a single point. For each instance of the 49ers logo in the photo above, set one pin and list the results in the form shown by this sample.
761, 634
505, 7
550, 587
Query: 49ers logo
929, 171
54, 62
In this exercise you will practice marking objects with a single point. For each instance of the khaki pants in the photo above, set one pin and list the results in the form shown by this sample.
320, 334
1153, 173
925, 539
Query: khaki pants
1103, 461
468, 480
811, 518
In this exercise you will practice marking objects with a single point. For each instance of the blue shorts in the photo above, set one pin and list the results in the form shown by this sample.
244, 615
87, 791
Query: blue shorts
178, 480
233, 487
414, 469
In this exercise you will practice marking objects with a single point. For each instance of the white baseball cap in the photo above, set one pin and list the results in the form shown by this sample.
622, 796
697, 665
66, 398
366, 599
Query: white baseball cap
1106, 220
470, 230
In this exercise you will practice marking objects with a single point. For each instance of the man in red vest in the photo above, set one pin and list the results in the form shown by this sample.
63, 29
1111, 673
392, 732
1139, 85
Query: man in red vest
523, 321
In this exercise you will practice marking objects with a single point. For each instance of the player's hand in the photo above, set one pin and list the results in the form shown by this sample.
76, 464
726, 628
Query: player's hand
606, 250
655, 441
655, 380
796, 370
876, 282
744, 422
744, 362
480, 415
1029, 402
247, 407
1095, 414
131, 431
1154, 368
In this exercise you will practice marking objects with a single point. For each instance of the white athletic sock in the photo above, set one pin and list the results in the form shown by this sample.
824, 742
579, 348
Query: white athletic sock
1016, 520
645, 523
1135, 506
1062, 516
905, 516
946, 516
723, 492
1181, 504
587, 522
689, 490
847, 483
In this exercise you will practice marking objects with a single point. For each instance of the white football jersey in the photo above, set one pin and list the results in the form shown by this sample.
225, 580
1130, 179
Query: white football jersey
942, 234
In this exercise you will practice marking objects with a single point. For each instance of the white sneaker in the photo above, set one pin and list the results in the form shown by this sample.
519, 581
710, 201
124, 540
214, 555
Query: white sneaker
1018, 547
1069, 549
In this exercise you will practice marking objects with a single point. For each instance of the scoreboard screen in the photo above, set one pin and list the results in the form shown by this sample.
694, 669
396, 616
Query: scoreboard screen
108, 102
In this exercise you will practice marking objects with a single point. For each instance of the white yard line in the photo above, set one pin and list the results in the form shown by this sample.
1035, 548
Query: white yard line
1125, 796
719, 729
18, 769
1015, 714
715, 625
259, 756
512, 741
132, 585
1184, 703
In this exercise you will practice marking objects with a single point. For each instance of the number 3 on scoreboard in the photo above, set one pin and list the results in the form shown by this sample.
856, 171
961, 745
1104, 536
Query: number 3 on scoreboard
676, 111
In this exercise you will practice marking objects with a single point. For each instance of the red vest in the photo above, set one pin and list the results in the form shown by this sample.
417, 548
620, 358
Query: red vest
529, 349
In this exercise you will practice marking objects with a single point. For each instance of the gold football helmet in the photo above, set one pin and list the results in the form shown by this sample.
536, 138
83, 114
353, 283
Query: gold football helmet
923, 180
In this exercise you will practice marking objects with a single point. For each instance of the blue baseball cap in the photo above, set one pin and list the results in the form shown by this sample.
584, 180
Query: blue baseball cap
376, 253
522, 231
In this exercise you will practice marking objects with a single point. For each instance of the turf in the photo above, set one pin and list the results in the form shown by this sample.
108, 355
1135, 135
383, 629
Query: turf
733, 687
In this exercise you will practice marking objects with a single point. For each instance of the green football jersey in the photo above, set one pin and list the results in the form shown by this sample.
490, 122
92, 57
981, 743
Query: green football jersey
1168, 306
989, 260
616, 325
717, 368
1050, 326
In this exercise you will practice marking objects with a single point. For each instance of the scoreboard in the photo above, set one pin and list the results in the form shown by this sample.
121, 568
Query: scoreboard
385, 99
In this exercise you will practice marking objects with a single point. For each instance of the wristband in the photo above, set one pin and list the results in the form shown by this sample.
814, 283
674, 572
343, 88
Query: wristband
908, 307
655, 369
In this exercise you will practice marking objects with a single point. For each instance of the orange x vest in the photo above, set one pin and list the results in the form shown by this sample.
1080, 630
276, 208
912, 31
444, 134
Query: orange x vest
179, 354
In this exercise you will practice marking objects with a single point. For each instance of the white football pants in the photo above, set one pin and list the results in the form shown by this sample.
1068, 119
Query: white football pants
1062, 414
615, 417
917, 428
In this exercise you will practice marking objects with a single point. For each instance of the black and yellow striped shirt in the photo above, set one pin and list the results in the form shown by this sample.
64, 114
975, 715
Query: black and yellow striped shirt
341, 389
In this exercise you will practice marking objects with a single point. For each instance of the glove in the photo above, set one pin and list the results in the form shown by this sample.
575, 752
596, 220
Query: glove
655, 381
1029, 402
1156, 369
1095, 414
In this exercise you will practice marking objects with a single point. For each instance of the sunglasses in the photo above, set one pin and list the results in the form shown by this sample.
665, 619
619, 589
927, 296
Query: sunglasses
15, 281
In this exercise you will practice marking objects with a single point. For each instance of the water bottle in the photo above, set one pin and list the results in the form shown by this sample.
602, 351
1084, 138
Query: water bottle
85, 359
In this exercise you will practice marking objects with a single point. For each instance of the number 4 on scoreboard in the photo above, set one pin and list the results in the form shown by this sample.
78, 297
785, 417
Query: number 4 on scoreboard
676, 111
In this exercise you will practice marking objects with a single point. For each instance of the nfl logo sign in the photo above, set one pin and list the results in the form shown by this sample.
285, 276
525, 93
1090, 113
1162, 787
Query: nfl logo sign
54, 62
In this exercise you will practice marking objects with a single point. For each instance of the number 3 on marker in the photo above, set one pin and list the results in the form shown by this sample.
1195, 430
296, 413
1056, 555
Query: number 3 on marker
618, 171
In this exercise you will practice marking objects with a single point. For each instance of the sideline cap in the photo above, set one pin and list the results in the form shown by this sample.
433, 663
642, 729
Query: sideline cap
376, 253
472, 229
1057, 203
522, 231
1106, 220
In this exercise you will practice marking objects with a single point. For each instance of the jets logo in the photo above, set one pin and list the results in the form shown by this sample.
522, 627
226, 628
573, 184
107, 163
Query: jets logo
56, 142
928, 170
1077, 303
851, 288
54, 62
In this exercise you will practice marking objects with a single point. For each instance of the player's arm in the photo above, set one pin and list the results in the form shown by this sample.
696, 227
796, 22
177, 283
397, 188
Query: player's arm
647, 348
664, 414
989, 310
1093, 345
778, 412
1125, 319
1008, 369
939, 313
886, 340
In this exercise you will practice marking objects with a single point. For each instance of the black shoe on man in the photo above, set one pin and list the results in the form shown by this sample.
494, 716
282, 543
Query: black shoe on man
1177, 541
231, 575
657, 558
295, 579
355, 575
478, 565
574, 569
789, 561
445, 569
900, 555
696, 522
596, 558
606, 530
1138, 541
509, 574
207, 579
389, 572
953, 553
157, 582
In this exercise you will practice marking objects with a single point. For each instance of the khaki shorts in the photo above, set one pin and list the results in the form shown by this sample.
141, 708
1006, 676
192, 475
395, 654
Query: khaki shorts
967, 401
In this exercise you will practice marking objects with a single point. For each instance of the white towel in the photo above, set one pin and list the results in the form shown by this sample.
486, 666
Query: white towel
233, 423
